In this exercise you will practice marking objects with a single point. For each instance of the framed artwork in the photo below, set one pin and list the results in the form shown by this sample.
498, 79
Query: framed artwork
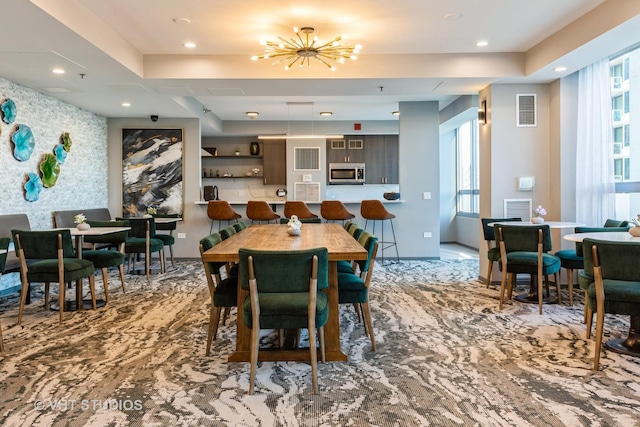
151, 171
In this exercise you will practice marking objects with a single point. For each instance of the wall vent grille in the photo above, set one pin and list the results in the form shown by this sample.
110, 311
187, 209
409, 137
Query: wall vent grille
518, 208
526, 110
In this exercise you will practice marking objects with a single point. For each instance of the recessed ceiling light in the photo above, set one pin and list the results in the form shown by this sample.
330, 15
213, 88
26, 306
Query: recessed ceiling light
452, 16
126, 104
482, 43
189, 44
559, 69
182, 20
396, 113
252, 114
326, 113
57, 71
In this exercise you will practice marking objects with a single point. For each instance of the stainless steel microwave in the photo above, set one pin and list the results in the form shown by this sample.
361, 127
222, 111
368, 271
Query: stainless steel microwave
346, 173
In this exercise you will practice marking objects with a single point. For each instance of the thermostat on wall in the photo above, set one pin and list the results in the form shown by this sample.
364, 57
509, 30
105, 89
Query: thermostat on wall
526, 183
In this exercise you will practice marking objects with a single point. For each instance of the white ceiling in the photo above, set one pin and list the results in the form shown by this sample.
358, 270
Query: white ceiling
132, 50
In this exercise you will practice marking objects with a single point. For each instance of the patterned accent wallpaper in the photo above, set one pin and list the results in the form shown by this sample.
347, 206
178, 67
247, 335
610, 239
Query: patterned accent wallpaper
83, 176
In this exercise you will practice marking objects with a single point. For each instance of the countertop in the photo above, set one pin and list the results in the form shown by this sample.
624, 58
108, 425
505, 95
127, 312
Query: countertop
282, 202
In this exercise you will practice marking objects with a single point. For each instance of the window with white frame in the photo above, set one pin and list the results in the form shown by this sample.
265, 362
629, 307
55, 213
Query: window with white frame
468, 170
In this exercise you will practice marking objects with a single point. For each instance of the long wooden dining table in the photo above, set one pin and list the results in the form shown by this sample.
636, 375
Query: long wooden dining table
340, 245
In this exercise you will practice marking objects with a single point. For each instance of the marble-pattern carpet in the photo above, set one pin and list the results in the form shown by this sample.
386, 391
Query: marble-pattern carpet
446, 357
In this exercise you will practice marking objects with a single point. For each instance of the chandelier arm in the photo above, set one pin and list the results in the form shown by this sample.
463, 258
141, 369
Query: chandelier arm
294, 61
318, 58
291, 42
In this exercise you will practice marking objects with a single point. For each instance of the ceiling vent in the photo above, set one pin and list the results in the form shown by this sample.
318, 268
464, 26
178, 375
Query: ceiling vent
526, 110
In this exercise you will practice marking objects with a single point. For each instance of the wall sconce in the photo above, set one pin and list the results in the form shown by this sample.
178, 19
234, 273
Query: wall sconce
482, 112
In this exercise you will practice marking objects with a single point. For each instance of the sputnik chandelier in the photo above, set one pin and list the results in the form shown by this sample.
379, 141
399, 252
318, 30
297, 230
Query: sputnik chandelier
305, 48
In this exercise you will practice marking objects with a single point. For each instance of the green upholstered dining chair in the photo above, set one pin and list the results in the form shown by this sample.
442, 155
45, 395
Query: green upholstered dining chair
354, 289
48, 256
615, 290
108, 258
140, 241
572, 259
345, 266
524, 250
239, 226
167, 239
493, 251
4, 245
285, 293
223, 292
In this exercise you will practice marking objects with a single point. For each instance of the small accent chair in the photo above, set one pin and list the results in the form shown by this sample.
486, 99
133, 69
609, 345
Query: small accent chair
167, 239
334, 210
374, 210
616, 290
48, 256
523, 250
258, 210
107, 258
221, 210
292, 207
223, 293
354, 289
572, 259
493, 250
140, 241
4, 245
285, 293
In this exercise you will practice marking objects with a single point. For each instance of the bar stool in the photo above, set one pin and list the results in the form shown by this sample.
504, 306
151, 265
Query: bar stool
220, 210
374, 210
298, 208
258, 210
334, 210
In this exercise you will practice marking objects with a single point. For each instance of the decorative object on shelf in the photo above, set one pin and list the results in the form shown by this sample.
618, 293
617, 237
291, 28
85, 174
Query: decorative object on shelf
152, 157
538, 214
66, 141
50, 168
23, 142
295, 226
60, 153
256, 171
81, 222
254, 148
237, 151
305, 47
8, 111
391, 196
32, 187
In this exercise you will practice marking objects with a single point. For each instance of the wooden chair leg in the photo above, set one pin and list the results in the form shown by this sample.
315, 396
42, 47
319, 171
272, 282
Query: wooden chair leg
121, 271
570, 285
321, 341
171, 255
599, 332
92, 288
503, 285
61, 290
255, 335
357, 309
588, 316
105, 282
539, 293
511, 283
214, 319
367, 318
490, 269
313, 355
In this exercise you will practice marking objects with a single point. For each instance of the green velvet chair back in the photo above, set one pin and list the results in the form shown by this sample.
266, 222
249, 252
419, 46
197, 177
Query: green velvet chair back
209, 242
618, 260
139, 226
367, 240
489, 232
355, 231
4, 245
227, 232
348, 224
239, 226
112, 238
284, 271
615, 223
44, 244
524, 238
579, 249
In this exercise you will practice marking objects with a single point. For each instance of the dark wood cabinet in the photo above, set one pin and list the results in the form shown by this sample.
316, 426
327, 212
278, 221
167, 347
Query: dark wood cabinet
275, 162
381, 159
348, 150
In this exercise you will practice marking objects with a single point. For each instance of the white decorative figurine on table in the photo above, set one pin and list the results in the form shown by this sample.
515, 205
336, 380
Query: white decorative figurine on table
538, 215
294, 226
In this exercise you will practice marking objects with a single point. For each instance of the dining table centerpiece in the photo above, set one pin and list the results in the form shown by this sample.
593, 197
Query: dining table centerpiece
295, 226
81, 222
151, 211
538, 215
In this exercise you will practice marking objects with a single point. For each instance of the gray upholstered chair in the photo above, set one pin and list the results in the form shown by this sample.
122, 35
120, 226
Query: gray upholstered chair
4, 245
493, 251
223, 292
615, 290
354, 289
48, 256
109, 258
285, 293
524, 250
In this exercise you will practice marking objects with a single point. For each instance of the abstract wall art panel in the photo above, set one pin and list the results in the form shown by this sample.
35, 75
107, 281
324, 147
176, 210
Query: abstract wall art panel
9, 111
151, 171
32, 187
50, 168
23, 142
